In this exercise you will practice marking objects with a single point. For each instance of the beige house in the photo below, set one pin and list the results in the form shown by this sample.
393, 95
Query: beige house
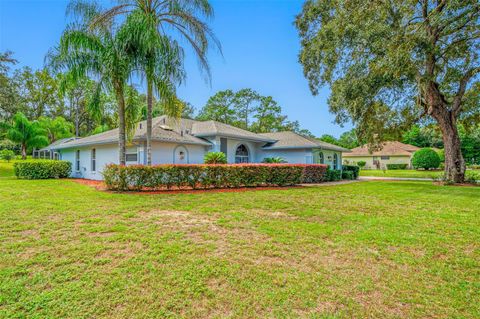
391, 153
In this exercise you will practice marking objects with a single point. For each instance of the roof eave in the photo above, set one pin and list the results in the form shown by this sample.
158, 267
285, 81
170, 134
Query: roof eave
264, 140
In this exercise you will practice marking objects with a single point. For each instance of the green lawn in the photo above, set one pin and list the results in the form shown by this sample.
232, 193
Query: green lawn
401, 173
370, 249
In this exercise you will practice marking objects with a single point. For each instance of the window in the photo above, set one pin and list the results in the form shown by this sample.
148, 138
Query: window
241, 154
77, 161
321, 158
94, 160
131, 157
385, 158
335, 161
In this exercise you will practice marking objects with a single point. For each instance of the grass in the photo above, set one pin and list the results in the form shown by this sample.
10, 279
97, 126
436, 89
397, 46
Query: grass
401, 173
370, 249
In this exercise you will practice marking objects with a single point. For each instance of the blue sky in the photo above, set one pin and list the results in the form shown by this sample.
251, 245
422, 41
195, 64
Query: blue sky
260, 48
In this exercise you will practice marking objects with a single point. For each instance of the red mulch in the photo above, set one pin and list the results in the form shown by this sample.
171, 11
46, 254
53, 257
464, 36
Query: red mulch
99, 185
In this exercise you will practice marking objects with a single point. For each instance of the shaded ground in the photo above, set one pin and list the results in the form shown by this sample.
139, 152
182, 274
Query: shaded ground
373, 249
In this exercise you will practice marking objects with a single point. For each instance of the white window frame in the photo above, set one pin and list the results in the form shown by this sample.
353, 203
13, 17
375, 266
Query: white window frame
77, 160
335, 161
93, 162
132, 153
242, 159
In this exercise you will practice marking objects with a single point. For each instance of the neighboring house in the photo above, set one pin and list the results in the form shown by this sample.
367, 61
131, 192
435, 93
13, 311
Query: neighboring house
391, 153
186, 141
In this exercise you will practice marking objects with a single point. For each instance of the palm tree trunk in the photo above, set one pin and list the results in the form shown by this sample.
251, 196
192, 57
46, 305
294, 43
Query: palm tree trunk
121, 124
149, 120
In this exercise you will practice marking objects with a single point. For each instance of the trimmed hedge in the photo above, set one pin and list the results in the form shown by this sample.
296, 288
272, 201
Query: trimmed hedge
397, 166
333, 175
42, 169
314, 173
139, 177
354, 169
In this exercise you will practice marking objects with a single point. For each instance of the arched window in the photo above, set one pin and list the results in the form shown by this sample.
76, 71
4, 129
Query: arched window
321, 158
335, 161
241, 154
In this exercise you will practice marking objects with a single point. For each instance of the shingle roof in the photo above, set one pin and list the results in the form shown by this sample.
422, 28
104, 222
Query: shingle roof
212, 128
188, 131
290, 140
58, 142
392, 148
163, 129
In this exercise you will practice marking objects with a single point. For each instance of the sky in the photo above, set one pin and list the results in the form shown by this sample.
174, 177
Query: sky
260, 48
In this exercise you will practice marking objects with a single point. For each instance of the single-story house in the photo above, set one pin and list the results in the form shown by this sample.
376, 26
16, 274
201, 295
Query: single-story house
391, 153
186, 141
49, 152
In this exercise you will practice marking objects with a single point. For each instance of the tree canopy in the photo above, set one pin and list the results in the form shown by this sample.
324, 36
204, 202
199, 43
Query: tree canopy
390, 63
249, 110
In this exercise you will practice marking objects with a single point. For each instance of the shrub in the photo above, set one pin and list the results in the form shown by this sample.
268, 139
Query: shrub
355, 170
472, 177
139, 177
397, 166
42, 169
425, 158
273, 160
361, 164
215, 158
7, 155
333, 175
441, 154
314, 173
347, 175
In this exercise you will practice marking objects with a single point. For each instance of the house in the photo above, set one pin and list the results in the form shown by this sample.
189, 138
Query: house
186, 141
391, 153
49, 152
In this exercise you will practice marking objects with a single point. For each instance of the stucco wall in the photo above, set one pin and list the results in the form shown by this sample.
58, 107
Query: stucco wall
168, 153
383, 163
162, 153
105, 154
293, 156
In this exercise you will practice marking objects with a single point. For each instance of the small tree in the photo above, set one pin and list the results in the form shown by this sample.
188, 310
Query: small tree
27, 134
215, 158
426, 158
7, 155
361, 164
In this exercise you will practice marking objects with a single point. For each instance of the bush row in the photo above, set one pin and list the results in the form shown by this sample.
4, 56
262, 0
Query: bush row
138, 177
397, 166
42, 169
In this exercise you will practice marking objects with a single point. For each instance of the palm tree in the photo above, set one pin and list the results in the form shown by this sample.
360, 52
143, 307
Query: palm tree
27, 134
160, 58
100, 53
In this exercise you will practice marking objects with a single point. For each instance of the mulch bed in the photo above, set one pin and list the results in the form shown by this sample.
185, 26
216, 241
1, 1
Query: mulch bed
100, 185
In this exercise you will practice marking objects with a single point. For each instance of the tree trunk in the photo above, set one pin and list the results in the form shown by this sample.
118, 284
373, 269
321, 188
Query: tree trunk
121, 125
77, 120
454, 162
24, 151
149, 120
439, 110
